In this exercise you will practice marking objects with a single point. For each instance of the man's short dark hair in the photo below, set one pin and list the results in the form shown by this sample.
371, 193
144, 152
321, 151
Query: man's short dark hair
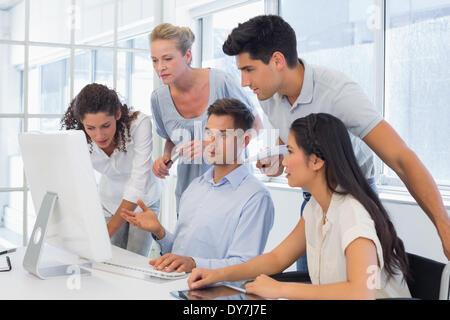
261, 36
242, 116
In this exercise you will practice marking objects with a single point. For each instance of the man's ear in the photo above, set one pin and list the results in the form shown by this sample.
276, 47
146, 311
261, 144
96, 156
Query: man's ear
249, 135
247, 139
279, 60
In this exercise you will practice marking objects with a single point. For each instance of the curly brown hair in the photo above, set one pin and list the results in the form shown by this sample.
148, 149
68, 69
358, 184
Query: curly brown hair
95, 98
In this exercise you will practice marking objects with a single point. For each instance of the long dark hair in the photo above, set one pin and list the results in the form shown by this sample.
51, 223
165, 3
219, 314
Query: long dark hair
95, 98
327, 137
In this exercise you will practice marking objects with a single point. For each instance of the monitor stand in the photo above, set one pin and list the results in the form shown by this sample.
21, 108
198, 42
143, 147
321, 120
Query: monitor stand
36, 245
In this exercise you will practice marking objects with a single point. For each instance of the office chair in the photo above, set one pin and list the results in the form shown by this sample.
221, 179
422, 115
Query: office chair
292, 276
430, 279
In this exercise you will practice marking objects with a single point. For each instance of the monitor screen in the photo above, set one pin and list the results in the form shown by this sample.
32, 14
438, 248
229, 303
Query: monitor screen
59, 162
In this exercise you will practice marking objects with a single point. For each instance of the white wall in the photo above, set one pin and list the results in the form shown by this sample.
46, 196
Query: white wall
412, 225
416, 230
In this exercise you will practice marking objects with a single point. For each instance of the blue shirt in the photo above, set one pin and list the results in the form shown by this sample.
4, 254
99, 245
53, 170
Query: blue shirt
222, 224
168, 120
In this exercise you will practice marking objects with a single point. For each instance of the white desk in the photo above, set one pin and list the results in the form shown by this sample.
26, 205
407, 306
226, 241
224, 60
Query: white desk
19, 284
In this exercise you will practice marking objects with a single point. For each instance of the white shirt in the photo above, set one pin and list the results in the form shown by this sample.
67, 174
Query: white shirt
128, 175
329, 91
345, 221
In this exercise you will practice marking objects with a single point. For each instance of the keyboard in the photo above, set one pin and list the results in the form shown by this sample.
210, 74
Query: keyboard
137, 272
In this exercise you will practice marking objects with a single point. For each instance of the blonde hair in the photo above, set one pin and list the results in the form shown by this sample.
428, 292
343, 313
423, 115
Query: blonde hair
166, 31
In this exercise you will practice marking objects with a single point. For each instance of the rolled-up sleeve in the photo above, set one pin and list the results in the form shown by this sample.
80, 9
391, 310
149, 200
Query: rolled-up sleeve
250, 236
138, 183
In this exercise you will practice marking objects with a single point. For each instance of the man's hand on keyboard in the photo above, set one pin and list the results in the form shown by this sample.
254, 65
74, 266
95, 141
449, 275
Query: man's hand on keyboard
173, 262
145, 220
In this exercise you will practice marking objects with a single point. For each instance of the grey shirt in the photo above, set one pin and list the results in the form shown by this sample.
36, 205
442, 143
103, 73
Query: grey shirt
170, 124
328, 91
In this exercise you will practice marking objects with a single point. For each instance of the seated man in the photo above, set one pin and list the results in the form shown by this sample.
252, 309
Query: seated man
225, 214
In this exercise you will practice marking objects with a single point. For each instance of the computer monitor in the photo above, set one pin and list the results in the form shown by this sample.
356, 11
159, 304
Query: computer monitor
61, 178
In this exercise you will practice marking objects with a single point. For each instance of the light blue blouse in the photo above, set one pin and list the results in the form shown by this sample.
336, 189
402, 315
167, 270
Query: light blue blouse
170, 124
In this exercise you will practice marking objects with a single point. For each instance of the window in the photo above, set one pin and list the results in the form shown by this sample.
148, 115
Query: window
397, 50
39, 78
418, 81
215, 28
337, 34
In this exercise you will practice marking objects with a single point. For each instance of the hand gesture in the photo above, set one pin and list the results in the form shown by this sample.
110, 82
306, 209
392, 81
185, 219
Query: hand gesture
145, 220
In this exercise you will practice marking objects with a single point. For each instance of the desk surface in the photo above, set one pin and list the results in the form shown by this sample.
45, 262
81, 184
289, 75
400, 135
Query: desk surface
19, 284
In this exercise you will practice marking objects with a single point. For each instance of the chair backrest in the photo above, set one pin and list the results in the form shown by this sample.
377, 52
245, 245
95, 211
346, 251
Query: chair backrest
425, 277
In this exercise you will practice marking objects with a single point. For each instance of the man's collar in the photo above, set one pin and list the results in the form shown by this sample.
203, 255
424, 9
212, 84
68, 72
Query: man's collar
235, 177
306, 94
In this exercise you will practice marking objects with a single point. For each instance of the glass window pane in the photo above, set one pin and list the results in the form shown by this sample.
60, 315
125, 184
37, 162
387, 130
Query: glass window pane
44, 124
12, 17
215, 30
11, 219
142, 42
336, 34
123, 72
11, 174
11, 61
50, 20
141, 82
124, 44
103, 71
94, 22
49, 80
417, 79
82, 70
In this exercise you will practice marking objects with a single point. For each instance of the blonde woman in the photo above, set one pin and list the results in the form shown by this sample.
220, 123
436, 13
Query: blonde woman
179, 106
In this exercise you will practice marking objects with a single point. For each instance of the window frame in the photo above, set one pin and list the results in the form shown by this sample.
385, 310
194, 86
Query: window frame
198, 14
144, 27
391, 189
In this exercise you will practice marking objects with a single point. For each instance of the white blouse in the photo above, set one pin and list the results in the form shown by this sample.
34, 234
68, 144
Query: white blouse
128, 175
345, 221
